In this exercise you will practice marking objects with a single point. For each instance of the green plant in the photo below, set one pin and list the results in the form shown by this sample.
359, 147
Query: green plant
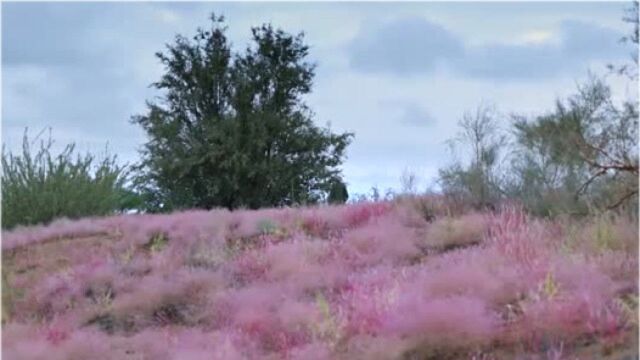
38, 186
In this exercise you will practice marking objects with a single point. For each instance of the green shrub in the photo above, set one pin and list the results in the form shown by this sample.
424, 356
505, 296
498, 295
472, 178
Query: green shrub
38, 187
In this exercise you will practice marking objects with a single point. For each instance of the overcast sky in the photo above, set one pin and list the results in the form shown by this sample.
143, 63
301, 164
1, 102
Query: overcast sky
398, 75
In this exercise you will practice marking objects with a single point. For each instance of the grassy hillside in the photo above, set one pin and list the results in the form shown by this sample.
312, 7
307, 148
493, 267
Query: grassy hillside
391, 280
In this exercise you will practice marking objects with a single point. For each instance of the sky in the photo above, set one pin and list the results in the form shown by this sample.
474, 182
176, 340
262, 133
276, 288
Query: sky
398, 75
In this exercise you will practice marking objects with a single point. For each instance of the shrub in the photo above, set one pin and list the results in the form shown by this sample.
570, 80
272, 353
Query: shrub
40, 187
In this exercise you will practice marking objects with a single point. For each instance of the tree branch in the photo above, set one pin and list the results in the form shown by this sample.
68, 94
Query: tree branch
622, 199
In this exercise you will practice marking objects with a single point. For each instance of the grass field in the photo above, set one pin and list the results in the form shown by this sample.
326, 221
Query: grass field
408, 279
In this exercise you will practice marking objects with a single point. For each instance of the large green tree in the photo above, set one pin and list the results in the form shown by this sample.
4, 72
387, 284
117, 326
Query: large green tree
232, 129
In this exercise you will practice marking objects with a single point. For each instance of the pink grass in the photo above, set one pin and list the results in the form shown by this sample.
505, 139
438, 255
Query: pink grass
364, 281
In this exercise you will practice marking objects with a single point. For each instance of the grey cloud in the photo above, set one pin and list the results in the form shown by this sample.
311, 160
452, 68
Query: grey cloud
406, 46
74, 67
409, 113
39, 33
415, 45
416, 116
70, 103
71, 34
512, 61
591, 41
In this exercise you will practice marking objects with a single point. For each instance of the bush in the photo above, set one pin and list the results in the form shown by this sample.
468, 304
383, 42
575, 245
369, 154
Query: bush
39, 187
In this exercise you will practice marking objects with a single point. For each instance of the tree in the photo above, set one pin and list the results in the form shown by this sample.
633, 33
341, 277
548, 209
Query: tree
408, 182
584, 152
478, 182
338, 193
631, 17
232, 130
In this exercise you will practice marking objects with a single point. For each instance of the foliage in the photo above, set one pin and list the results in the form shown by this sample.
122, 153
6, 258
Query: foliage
584, 151
338, 193
38, 186
231, 129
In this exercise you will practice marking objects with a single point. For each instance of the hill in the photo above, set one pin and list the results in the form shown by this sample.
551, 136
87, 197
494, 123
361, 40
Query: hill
410, 279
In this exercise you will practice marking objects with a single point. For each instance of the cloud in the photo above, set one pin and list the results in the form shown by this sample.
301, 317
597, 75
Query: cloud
74, 67
38, 33
416, 46
408, 113
406, 46
73, 104
512, 61
537, 36
414, 115
585, 40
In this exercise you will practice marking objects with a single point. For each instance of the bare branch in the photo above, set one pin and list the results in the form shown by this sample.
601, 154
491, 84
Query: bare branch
623, 199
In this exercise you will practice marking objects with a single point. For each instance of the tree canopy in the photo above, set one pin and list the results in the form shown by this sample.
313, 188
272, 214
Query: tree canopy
231, 129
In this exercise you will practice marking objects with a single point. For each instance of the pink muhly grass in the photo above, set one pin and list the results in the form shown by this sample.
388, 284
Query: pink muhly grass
315, 283
377, 347
447, 233
575, 299
314, 225
62, 228
495, 285
621, 267
576, 277
288, 258
52, 296
570, 317
195, 344
384, 241
366, 299
57, 331
263, 318
323, 221
304, 265
311, 351
358, 214
73, 345
518, 238
164, 300
248, 267
456, 321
